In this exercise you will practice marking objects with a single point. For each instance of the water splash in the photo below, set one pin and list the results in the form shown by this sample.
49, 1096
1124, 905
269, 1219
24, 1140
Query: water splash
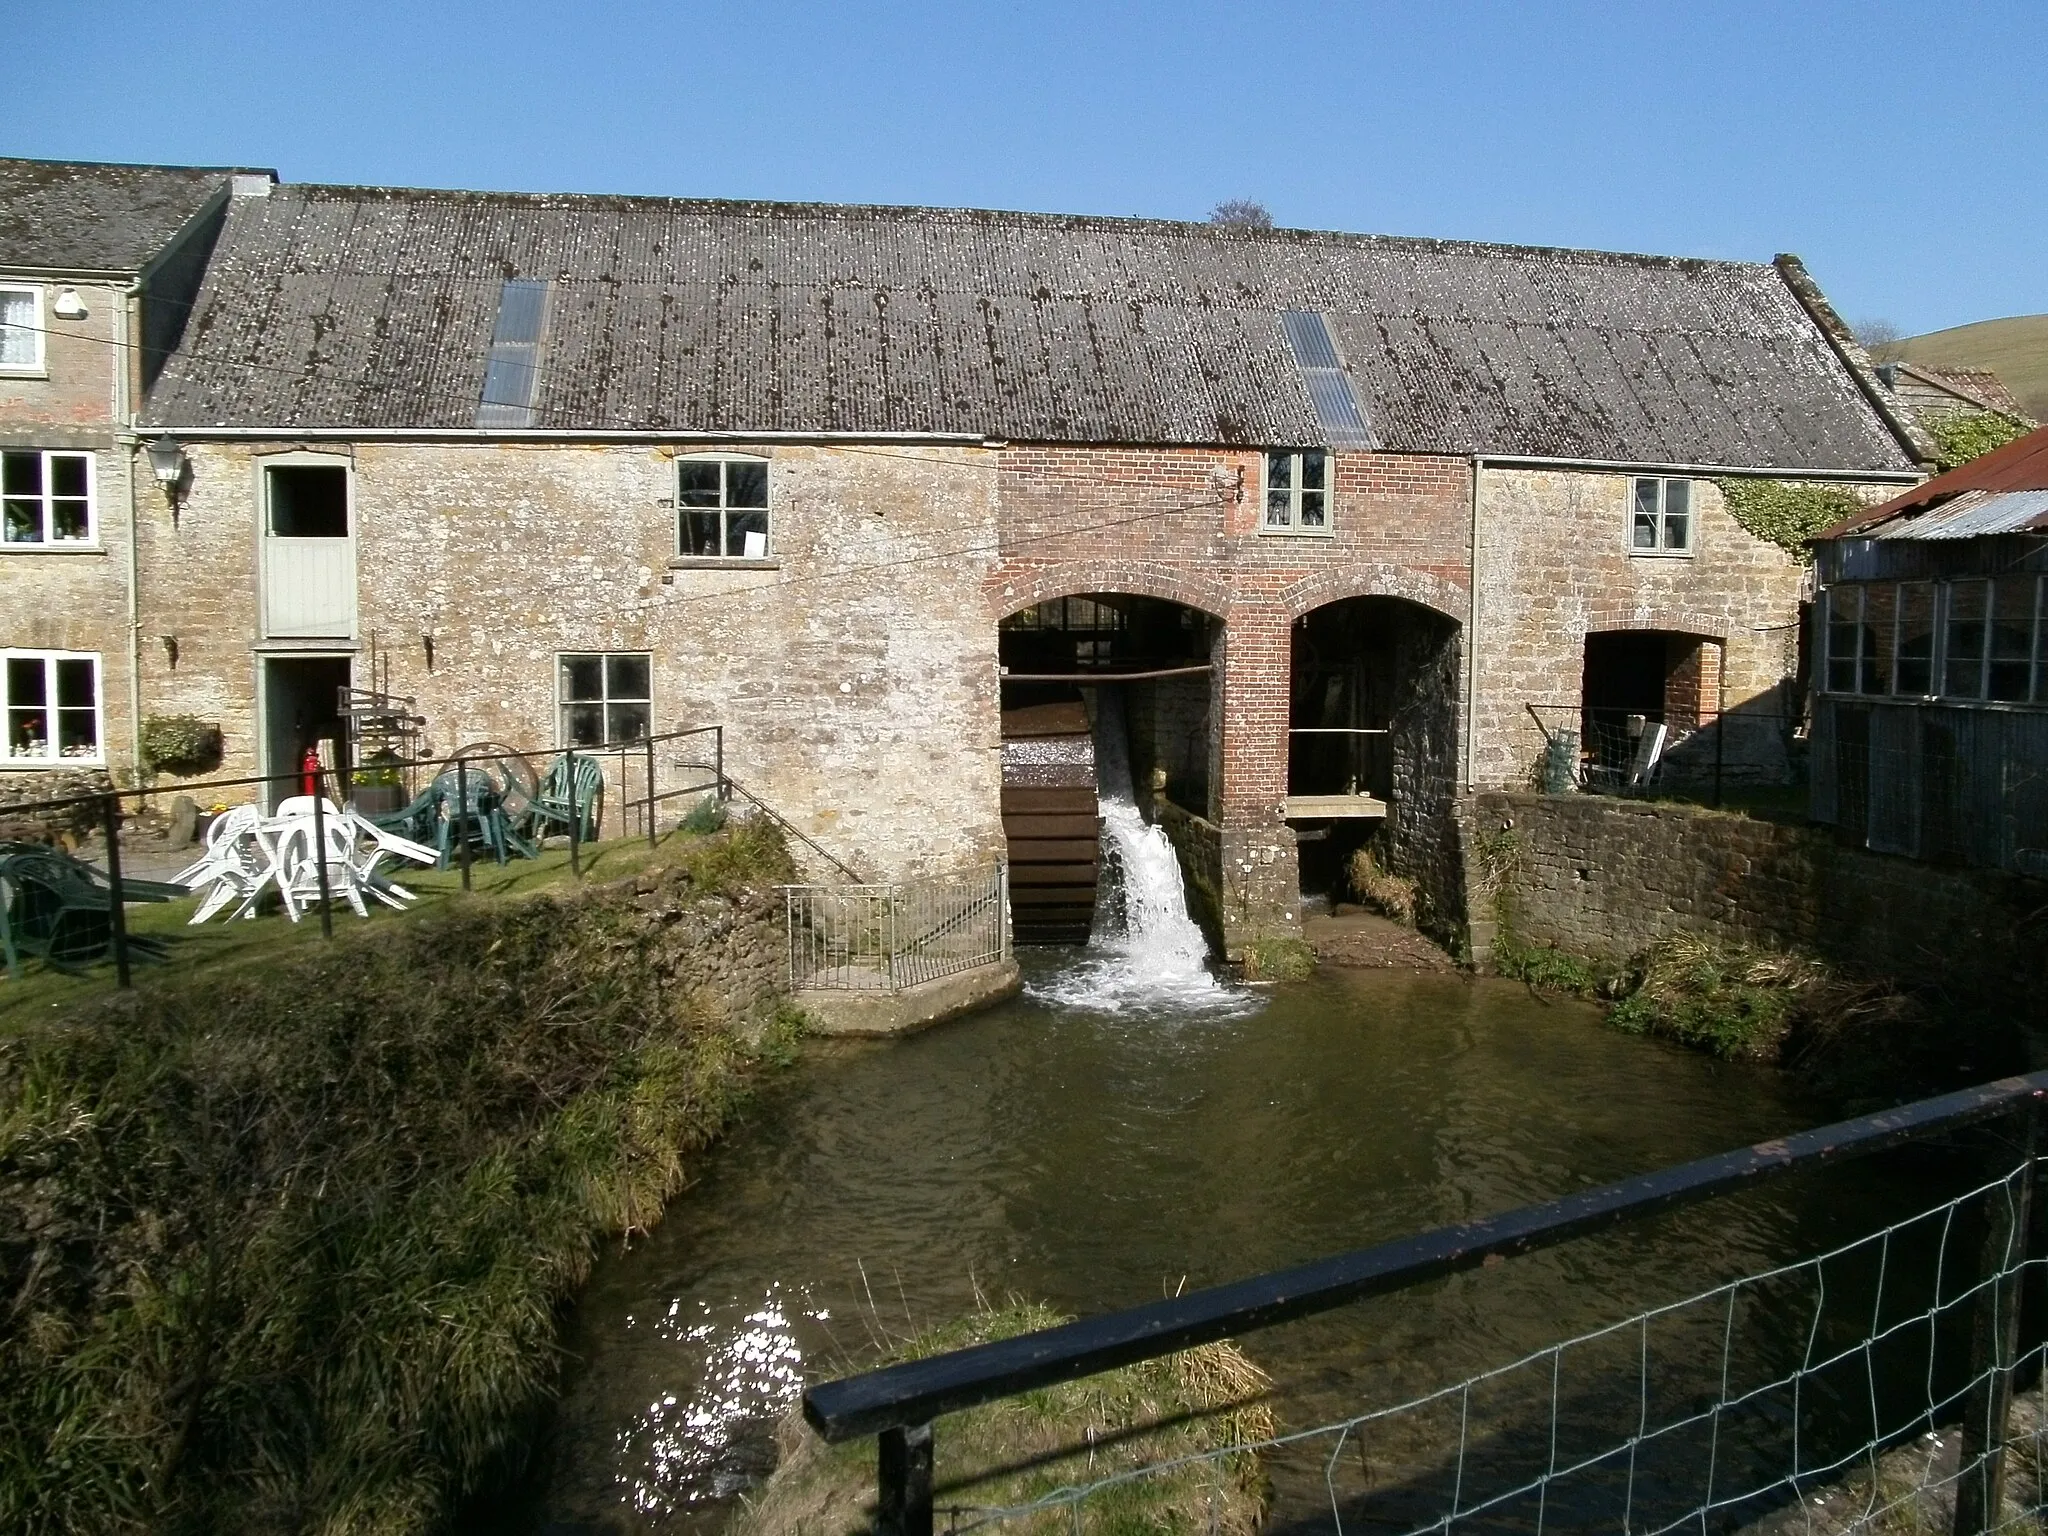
1145, 953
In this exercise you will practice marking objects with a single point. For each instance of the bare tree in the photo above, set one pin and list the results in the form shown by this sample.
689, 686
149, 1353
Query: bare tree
1243, 212
1881, 338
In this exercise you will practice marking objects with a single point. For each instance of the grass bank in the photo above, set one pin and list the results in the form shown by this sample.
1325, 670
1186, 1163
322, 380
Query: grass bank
1860, 1041
284, 1238
1023, 1448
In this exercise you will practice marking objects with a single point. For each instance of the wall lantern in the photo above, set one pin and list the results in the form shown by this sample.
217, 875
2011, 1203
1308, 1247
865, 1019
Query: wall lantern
68, 305
170, 649
167, 462
427, 645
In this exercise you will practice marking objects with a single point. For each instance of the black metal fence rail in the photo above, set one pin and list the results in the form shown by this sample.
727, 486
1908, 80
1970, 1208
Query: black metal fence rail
899, 1403
102, 809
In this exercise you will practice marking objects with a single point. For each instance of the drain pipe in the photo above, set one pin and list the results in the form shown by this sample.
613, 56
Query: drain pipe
124, 422
1472, 631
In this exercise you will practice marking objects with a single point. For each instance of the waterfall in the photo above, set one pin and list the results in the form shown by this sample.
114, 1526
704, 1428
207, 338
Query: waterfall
1145, 951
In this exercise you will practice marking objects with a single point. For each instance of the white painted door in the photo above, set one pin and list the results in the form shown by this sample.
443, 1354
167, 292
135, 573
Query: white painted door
309, 587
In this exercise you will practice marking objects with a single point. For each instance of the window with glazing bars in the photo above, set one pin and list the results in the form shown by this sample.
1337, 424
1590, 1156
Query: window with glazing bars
1297, 492
45, 497
1661, 523
51, 701
606, 697
722, 508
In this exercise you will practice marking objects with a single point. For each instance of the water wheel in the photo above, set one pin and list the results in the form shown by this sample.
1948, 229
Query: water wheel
1050, 822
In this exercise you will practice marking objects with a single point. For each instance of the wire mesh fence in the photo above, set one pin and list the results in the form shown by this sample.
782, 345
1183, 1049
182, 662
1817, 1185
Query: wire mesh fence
882, 938
1642, 753
1835, 1394
1866, 1388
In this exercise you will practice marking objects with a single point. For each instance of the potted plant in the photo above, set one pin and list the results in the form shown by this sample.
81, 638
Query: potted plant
378, 787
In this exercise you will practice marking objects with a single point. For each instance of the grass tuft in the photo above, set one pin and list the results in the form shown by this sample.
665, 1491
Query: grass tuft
1022, 1448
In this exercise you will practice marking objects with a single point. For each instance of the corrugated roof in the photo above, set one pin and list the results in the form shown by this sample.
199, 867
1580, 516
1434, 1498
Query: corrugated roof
353, 307
1972, 515
71, 216
2021, 465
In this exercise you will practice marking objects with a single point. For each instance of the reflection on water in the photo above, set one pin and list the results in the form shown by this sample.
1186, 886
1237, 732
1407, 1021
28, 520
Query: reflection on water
1095, 1159
708, 1436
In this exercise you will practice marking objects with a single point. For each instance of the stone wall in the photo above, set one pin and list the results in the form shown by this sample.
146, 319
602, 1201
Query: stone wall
1199, 844
1609, 877
1555, 565
863, 709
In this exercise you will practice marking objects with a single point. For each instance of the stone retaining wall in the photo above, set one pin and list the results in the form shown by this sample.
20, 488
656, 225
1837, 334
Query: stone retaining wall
1609, 877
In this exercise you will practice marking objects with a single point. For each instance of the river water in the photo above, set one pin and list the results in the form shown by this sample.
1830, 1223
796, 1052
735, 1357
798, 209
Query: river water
1132, 1125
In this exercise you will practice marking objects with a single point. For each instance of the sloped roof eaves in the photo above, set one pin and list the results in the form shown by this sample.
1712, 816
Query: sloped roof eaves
1974, 514
339, 308
2020, 465
62, 216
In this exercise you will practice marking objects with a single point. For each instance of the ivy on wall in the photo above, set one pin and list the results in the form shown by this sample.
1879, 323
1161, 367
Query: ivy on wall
1787, 513
1964, 435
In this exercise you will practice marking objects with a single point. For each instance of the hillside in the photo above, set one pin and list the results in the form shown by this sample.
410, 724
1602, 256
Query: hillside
2016, 349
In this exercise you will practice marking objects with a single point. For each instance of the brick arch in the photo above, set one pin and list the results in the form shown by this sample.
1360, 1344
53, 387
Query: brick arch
1422, 588
1014, 590
1601, 621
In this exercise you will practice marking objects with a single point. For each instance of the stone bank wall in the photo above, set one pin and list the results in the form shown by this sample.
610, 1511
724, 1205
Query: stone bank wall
1610, 877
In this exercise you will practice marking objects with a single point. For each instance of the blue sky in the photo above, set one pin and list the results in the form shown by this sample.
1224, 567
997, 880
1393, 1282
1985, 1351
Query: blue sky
1896, 147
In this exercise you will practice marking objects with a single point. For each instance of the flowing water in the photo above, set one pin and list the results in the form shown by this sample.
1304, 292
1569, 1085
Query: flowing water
1131, 1125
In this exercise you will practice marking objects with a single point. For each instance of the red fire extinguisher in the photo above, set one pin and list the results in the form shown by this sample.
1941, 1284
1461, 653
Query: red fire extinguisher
309, 772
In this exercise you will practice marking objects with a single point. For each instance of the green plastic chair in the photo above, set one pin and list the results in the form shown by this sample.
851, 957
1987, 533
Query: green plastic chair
61, 911
550, 806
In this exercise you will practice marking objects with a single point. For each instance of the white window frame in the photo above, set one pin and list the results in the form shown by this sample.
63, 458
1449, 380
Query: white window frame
1293, 528
723, 509
99, 711
605, 703
1663, 516
48, 539
38, 335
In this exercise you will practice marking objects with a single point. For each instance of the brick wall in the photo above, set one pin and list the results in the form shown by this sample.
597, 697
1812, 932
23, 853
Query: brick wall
76, 598
1184, 525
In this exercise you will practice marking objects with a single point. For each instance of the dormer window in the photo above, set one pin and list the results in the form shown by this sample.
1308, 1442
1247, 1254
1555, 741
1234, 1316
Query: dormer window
722, 507
21, 329
1297, 492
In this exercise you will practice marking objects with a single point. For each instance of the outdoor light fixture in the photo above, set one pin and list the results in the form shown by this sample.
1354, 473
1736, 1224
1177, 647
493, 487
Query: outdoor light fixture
427, 645
167, 463
68, 305
170, 649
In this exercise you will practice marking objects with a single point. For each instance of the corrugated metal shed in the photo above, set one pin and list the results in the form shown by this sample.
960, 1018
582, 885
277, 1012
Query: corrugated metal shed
63, 216
2021, 465
373, 308
1972, 514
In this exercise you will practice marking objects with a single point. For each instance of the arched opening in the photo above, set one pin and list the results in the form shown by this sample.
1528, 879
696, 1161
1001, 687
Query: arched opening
1103, 694
1372, 739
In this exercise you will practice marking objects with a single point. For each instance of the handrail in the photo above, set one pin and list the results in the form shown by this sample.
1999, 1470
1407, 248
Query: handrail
909, 1396
783, 822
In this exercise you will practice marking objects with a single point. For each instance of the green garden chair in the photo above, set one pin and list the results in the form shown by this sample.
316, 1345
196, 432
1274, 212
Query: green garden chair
61, 911
551, 801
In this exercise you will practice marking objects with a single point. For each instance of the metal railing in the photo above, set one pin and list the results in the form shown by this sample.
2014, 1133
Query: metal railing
883, 938
648, 773
899, 1404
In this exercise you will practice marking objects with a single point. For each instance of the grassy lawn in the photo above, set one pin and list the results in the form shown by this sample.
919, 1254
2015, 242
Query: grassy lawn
221, 943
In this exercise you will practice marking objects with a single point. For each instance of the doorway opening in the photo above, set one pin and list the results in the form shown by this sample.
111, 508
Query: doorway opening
1642, 693
1372, 738
302, 714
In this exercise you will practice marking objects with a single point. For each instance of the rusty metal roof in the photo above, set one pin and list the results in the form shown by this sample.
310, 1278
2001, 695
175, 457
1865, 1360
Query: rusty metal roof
2021, 465
1970, 515
71, 216
373, 308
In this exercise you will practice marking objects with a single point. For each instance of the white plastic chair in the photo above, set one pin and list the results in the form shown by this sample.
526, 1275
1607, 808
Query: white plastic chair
372, 845
241, 858
302, 859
